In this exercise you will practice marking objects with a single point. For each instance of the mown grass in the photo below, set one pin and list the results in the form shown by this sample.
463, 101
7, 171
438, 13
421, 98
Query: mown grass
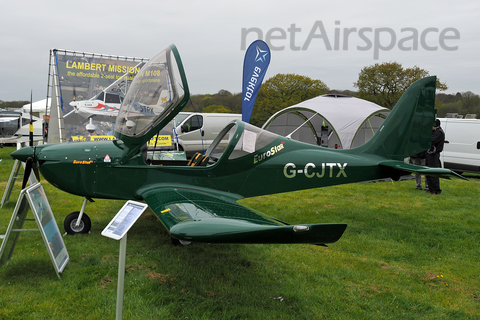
405, 255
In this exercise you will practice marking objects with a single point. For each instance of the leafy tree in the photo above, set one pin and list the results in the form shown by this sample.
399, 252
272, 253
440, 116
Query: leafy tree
12, 104
200, 102
214, 108
224, 92
462, 103
284, 90
470, 102
385, 83
443, 98
451, 107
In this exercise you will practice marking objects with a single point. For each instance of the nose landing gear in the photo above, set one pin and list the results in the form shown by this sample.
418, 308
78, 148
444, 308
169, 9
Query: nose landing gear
77, 221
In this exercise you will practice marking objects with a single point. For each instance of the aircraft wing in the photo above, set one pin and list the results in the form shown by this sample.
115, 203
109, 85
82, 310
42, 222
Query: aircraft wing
8, 119
88, 111
80, 116
438, 172
198, 216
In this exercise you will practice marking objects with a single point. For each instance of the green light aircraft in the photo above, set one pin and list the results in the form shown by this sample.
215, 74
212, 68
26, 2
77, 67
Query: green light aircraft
196, 200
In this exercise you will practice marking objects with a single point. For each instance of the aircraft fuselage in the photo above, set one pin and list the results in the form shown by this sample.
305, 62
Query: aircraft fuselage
92, 169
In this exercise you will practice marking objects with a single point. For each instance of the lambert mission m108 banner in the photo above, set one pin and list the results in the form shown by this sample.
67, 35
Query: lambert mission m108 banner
87, 76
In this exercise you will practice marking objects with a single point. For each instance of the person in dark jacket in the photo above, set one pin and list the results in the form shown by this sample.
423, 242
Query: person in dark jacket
433, 157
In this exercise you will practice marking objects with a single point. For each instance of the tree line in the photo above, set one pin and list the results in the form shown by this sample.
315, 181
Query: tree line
12, 105
382, 84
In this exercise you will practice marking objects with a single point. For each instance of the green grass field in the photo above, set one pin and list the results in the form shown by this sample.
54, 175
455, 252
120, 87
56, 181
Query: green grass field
405, 255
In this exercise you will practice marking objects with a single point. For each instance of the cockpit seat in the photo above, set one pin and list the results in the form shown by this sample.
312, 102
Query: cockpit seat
198, 160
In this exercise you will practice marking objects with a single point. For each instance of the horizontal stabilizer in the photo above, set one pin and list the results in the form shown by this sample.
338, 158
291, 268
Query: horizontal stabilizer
437, 172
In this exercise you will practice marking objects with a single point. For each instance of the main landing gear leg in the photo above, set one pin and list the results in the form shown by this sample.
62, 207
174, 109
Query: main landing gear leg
78, 222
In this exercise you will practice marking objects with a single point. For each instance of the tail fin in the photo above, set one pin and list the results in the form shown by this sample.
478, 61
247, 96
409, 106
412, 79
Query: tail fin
408, 128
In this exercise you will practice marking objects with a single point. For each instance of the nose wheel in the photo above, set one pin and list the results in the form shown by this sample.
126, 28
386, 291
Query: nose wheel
72, 226
78, 221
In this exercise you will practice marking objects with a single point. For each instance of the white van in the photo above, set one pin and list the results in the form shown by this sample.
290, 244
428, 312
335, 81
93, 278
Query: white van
196, 131
461, 151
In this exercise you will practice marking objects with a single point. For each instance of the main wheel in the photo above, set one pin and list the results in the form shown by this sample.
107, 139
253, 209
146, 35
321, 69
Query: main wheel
177, 242
70, 223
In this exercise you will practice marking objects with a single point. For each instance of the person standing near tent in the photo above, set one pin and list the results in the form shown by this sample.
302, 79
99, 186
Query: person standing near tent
433, 157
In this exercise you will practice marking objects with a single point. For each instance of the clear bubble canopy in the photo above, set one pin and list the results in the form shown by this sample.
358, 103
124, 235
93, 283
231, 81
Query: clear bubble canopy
154, 93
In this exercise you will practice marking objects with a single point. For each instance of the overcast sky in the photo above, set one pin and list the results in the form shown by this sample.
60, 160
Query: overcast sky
306, 38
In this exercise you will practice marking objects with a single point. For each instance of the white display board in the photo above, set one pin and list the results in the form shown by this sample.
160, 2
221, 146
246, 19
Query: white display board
34, 198
117, 229
124, 219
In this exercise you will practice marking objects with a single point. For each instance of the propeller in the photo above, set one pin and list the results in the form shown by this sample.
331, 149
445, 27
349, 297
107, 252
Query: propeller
29, 165
28, 171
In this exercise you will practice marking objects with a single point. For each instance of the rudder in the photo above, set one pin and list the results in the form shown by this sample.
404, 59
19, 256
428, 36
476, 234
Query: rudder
408, 128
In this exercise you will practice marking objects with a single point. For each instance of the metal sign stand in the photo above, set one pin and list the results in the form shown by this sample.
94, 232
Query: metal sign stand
11, 181
117, 229
34, 198
121, 277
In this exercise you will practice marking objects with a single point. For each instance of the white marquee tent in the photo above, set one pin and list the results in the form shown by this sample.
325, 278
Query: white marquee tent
39, 107
350, 121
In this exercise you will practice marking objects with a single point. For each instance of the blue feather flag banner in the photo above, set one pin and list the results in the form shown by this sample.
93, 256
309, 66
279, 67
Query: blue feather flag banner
255, 65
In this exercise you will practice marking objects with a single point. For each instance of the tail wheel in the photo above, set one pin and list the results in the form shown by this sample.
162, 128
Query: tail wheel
70, 223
